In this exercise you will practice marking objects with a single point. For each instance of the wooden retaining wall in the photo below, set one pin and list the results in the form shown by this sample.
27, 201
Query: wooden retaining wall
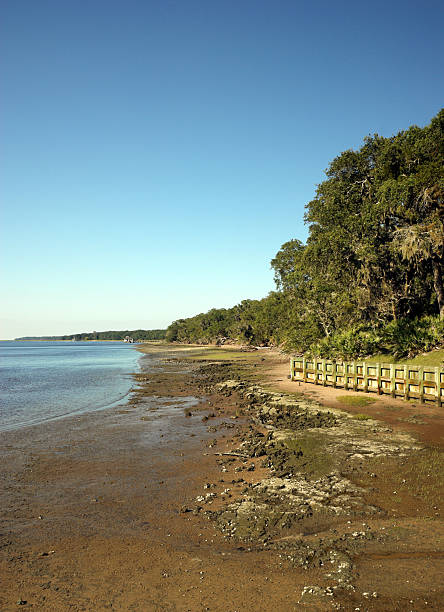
423, 383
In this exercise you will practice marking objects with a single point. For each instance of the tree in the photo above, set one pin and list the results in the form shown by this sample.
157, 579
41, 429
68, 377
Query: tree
419, 193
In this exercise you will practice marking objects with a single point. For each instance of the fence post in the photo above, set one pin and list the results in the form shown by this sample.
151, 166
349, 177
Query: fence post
421, 384
365, 375
438, 386
291, 369
304, 369
392, 380
406, 383
345, 368
324, 373
378, 377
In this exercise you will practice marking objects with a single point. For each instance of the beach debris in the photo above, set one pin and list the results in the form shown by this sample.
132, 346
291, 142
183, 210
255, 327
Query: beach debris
232, 454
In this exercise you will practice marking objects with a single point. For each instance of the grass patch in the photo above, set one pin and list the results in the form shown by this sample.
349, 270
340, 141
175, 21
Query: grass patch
353, 400
315, 461
362, 417
433, 358
220, 355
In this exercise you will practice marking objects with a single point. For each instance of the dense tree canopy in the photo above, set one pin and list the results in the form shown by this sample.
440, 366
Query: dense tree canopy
374, 258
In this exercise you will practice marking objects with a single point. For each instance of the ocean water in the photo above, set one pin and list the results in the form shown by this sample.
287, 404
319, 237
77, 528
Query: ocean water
41, 381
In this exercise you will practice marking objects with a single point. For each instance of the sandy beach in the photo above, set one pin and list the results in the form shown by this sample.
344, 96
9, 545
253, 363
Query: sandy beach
143, 507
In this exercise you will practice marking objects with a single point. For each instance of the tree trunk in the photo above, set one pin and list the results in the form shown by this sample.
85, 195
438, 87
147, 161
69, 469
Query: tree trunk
437, 264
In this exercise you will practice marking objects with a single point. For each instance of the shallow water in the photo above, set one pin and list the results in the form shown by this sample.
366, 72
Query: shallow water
41, 381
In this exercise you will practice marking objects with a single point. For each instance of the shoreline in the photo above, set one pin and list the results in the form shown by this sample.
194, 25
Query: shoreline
123, 525
30, 400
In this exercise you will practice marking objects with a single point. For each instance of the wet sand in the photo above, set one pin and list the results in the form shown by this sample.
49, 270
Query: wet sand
91, 516
99, 512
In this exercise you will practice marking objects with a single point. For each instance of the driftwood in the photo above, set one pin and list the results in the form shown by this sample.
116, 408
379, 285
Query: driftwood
232, 455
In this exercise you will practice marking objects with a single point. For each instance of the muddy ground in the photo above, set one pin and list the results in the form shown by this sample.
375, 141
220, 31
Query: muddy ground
223, 486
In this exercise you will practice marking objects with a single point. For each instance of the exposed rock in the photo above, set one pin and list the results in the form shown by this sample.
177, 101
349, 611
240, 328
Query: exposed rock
305, 447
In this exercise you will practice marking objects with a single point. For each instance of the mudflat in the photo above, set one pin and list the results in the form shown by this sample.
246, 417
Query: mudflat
222, 486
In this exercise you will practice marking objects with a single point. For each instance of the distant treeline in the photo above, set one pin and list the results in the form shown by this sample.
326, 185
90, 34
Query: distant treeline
137, 334
370, 277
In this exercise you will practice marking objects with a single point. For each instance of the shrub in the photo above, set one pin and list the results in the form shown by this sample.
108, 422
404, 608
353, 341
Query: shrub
401, 338
350, 344
408, 337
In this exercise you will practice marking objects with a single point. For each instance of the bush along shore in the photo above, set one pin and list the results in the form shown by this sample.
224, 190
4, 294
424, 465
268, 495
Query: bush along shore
326, 491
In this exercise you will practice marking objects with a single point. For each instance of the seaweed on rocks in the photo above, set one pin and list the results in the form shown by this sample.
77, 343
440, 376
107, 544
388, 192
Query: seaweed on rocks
293, 417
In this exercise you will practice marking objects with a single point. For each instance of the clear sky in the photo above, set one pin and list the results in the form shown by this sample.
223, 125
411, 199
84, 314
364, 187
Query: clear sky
156, 154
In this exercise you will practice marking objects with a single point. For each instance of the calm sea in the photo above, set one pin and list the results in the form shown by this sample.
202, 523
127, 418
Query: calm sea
41, 381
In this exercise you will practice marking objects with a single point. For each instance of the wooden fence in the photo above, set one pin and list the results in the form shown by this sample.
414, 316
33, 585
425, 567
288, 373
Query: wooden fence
423, 383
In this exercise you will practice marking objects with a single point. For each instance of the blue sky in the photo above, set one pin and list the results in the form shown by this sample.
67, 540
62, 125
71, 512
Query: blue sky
155, 155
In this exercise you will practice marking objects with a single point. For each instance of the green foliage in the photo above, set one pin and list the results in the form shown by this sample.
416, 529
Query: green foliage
349, 344
407, 337
250, 322
369, 277
401, 338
